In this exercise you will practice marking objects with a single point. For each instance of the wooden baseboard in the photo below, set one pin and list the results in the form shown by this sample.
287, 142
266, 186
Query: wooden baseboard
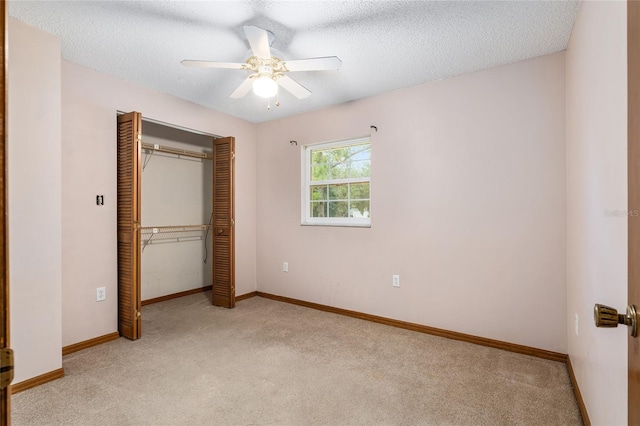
246, 296
37, 381
176, 295
190, 292
576, 390
66, 350
511, 347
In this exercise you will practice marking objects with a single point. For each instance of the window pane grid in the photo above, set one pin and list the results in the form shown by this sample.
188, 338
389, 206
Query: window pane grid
339, 200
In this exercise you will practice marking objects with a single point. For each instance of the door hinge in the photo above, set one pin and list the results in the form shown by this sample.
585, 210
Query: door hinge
139, 136
6, 367
233, 155
233, 222
138, 315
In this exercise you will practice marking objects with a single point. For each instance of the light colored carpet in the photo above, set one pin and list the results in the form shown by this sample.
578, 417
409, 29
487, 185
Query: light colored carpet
267, 362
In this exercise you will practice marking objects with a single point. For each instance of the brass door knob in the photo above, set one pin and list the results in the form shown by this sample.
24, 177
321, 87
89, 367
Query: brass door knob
6, 367
607, 317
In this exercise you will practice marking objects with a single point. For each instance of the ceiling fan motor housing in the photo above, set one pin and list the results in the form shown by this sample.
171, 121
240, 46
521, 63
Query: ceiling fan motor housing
265, 70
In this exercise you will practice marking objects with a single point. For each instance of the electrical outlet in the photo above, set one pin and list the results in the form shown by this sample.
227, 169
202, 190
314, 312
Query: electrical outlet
101, 294
577, 321
396, 280
285, 266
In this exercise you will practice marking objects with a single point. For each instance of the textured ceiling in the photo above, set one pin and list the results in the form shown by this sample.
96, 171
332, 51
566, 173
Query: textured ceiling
384, 45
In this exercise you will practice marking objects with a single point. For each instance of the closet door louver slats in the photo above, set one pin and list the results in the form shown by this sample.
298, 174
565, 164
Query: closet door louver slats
223, 223
129, 190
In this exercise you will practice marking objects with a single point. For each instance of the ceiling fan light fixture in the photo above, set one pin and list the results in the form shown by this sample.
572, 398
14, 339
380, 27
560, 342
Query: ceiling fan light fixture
265, 86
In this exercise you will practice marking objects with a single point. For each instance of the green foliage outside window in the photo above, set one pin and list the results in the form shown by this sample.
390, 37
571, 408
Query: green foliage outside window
341, 163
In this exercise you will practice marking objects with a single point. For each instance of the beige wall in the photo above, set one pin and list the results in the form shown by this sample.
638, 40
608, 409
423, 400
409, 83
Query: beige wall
89, 103
597, 183
468, 207
34, 200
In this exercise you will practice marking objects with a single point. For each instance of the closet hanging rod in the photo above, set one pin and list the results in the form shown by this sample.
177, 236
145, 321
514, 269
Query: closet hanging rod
177, 151
174, 228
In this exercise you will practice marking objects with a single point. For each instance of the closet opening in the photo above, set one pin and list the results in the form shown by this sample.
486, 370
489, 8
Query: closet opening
177, 186
175, 216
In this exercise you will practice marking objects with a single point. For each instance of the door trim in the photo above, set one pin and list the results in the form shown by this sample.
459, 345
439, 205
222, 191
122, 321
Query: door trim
5, 394
633, 176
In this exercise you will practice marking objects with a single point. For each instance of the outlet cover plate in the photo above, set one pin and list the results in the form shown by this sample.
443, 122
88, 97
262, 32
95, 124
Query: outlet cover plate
395, 280
101, 294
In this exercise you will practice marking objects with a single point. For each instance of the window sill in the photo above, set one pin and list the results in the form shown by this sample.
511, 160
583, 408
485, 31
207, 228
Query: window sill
339, 225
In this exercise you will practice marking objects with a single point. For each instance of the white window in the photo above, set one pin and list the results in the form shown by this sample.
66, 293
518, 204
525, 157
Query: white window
336, 187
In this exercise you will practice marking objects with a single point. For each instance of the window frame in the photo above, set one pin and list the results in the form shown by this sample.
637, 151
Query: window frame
306, 218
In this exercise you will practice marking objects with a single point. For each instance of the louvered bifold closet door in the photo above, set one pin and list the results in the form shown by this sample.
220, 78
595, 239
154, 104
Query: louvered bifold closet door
223, 284
129, 189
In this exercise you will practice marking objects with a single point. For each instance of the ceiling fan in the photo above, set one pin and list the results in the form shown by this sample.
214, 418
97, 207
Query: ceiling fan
268, 71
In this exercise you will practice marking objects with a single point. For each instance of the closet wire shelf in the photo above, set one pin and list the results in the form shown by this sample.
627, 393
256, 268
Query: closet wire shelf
176, 151
172, 234
150, 149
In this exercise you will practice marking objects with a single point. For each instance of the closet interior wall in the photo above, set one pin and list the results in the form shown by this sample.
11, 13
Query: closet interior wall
176, 191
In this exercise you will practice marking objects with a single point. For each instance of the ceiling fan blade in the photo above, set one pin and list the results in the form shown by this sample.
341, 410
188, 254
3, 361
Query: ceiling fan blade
211, 64
296, 89
259, 41
243, 89
314, 64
